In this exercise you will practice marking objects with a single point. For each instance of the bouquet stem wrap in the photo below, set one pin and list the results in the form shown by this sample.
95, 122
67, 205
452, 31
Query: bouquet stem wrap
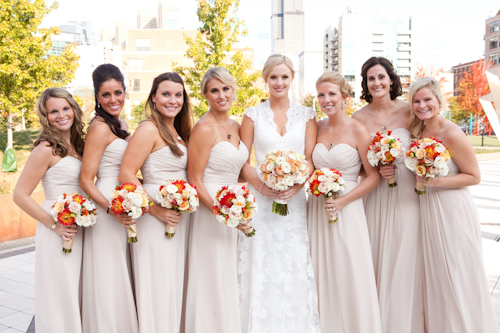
67, 246
332, 218
419, 188
392, 181
280, 207
132, 234
170, 230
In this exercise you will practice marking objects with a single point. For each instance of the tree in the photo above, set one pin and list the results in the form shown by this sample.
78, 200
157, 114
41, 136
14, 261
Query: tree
471, 87
25, 68
212, 46
434, 72
311, 101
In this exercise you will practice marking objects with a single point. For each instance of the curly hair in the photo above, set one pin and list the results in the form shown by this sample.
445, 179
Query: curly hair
52, 135
183, 122
396, 88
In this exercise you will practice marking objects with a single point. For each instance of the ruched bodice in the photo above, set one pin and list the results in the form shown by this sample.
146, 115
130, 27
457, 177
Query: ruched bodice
163, 164
62, 177
341, 157
112, 159
225, 163
454, 170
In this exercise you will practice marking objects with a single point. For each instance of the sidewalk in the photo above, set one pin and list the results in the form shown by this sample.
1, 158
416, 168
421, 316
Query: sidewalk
17, 258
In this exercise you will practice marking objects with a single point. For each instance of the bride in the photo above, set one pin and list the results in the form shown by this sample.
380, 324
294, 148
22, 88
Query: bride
277, 287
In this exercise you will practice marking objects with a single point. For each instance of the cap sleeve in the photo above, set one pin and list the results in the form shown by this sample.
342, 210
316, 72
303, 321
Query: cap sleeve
310, 114
251, 113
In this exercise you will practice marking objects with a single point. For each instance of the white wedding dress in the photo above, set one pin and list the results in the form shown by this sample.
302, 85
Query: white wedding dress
276, 279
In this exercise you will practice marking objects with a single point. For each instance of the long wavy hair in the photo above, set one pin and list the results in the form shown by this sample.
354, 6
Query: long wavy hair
52, 135
183, 121
417, 125
100, 75
396, 88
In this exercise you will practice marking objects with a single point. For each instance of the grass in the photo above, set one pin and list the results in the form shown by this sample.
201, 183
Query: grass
489, 141
486, 151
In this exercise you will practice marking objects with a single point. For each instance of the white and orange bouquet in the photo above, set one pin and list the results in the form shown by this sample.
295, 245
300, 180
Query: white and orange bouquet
177, 195
326, 182
428, 158
129, 199
385, 149
72, 209
235, 205
281, 169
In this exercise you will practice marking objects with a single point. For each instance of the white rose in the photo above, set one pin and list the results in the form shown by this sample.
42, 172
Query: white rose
250, 198
172, 189
80, 220
335, 187
303, 166
410, 163
92, 219
327, 172
289, 180
68, 199
372, 158
270, 167
439, 162
88, 205
280, 160
394, 152
324, 188
220, 218
135, 213
166, 203
225, 210
235, 216
236, 209
75, 207
136, 198
60, 198
440, 148
287, 168
123, 193
322, 178
281, 187
232, 222
297, 176
178, 196
444, 171
341, 181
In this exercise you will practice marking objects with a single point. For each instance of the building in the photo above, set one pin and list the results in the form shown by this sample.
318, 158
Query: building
121, 29
310, 69
59, 43
146, 19
492, 40
405, 41
82, 32
458, 73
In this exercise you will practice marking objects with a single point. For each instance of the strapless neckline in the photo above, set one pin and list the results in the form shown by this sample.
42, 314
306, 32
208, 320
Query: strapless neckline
334, 146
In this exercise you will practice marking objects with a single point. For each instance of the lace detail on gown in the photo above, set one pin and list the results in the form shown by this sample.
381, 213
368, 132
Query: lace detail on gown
277, 286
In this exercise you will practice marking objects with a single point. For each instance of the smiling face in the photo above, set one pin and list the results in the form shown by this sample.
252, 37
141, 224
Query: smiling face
425, 104
60, 114
330, 98
111, 95
169, 98
279, 80
219, 95
379, 82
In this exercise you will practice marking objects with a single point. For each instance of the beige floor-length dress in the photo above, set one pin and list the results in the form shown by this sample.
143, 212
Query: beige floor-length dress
394, 225
341, 253
158, 260
212, 302
57, 274
108, 302
457, 295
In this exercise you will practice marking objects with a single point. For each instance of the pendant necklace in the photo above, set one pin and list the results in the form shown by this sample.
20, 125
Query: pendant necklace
227, 131
331, 137
179, 138
384, 128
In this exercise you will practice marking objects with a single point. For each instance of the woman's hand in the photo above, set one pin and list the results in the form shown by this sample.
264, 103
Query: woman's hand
429, 182
122, 218
388, 171
169, 216
269, 192
67, 232
290, 193
244, 227
334, 205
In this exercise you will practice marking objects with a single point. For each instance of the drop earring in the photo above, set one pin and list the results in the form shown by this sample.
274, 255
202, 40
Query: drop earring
98, 104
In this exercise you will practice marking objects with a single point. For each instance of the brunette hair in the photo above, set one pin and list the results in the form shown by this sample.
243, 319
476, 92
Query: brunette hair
335, 78
417, 125
275, 60
52, 135
183, 121
100, 75
396, 88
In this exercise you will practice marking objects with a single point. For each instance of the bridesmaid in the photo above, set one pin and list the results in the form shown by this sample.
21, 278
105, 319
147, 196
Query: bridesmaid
55, 161
108, 302
159, 149
340, 252
456, 289
216, 158
392, 214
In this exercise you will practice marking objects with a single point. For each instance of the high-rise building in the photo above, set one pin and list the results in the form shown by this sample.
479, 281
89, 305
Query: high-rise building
82, 31
310, 69
492, 40
121, 29
146, 19
169, 14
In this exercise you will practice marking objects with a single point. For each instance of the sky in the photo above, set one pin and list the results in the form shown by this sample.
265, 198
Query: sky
462, 21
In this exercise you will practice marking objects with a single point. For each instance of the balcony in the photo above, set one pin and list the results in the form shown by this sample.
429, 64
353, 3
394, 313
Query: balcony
403, 56
402, 47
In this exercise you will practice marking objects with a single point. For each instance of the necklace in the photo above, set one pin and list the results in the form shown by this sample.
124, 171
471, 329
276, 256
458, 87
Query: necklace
227, 131
331, 137
179, 138
384, 128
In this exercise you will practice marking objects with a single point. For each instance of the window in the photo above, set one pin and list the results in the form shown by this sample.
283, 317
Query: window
137, 85
135, 65
171, 24
493, 43
494, 59
494, 26
349, 77
142, 44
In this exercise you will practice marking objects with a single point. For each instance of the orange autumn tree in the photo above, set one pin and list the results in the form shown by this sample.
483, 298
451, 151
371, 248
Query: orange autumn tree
471, 87
433, 72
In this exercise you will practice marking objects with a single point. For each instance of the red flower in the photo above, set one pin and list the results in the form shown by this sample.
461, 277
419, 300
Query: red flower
227, 200
131, 187
116, 205
65, 217
79, 199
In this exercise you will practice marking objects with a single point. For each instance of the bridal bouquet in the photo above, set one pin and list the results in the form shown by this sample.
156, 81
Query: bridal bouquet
72, 209
177, 195
385, 149
326, 182
235, 205
131, 200
427, 158
282, 169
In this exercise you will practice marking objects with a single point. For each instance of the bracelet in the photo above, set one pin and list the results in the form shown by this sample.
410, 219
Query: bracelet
260, 191
107, 212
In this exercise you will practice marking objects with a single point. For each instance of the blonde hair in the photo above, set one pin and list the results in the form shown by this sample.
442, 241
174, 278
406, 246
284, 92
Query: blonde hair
335, 78
52, 135
275, 60
417, 125
221, 74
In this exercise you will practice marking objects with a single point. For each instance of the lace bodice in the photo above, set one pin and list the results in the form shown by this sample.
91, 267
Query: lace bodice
266, 135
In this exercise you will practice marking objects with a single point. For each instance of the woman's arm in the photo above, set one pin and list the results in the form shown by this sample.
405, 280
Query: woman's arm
98, 137
39, 161
145, 140
363, 140
463, 156
201, 142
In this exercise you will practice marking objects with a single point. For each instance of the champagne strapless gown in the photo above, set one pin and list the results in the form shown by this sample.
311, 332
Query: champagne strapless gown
457, 295
159, 261
212, 302
108, 301
57, 274
341, 253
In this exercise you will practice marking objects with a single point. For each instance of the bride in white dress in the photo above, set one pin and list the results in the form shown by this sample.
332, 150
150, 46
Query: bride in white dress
277, 287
